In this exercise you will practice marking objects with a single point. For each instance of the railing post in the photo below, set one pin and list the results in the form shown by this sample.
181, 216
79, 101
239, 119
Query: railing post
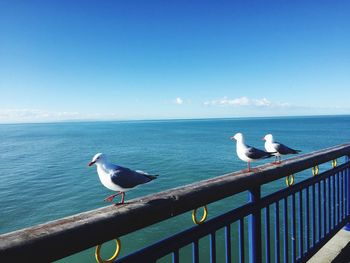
347, 187
254, 228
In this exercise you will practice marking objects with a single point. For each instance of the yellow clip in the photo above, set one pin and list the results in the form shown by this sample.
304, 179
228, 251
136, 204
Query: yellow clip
111, 259
315, 170
334, 163
290, 180
194, 216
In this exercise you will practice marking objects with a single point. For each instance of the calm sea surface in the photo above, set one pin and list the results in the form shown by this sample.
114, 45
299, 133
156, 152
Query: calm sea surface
44, 173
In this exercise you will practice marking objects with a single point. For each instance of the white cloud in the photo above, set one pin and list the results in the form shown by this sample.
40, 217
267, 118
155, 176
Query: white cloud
244, 101
179, 101
37, 115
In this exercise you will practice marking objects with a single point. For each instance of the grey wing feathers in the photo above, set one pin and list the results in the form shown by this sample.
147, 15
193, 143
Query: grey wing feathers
255, 153
283, 149
128, 178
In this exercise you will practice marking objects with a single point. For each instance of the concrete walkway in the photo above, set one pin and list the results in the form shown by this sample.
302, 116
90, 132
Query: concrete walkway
337, 250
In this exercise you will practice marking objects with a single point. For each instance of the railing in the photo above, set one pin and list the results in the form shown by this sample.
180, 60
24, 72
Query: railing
290, 224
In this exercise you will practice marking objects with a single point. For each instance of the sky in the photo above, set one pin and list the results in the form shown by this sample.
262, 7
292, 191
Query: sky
120, 60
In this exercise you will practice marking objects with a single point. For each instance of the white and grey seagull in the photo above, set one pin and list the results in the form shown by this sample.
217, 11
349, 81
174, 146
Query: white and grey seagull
248, 153
279, 149
117, 178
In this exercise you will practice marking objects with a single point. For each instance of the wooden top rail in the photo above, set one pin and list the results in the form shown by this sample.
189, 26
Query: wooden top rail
60, 238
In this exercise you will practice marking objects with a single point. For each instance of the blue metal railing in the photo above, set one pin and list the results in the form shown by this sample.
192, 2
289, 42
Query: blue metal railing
318, 208
287, 225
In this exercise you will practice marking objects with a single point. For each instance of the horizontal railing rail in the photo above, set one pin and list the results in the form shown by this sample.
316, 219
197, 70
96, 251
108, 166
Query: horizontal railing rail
75, 233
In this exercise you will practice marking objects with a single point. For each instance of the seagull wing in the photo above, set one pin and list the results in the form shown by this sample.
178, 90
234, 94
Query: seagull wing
254, 153
127, 178
283, 149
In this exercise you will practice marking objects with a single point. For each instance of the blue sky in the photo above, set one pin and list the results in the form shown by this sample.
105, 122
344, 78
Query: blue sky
101, 60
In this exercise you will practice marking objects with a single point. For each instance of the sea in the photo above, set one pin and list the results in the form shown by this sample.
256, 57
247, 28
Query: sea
44, 174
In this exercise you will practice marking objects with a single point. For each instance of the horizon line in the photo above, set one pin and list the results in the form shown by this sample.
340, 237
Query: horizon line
173, 119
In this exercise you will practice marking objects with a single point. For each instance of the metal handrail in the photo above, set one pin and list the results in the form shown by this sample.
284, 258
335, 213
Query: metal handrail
63, 237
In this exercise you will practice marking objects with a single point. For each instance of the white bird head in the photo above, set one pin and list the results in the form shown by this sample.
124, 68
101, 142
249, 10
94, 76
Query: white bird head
237, 137
268, 138
98, 158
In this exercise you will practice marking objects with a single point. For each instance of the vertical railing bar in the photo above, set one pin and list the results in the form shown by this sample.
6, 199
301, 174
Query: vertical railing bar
212, 247
277, 232
195, 252
285, 213
267, 234
329, 205
293, 230
313, 216
338, 198
307, 225
228, 244
333, 201
324, 198
241, 240
301, 235
347, 189
319, 211
344, 194
347, 186
176, 256
254, 224
341, 212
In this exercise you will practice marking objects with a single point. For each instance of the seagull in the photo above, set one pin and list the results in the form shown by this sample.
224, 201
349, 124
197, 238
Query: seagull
278, 148
247, 153
117, 178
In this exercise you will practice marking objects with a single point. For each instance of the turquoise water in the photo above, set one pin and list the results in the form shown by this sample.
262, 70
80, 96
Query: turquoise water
44, 173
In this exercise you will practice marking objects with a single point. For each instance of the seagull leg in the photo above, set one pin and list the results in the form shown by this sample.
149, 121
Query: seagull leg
275, 162
123, 195
122, 200
110, 198
248, 166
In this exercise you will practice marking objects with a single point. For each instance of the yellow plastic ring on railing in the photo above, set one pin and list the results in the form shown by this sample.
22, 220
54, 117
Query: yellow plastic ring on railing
194, 216
111, 259
290, 180
315, 170
334, 163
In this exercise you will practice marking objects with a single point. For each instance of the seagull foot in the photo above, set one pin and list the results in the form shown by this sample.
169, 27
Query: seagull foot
109, 199
119, 203
277, 163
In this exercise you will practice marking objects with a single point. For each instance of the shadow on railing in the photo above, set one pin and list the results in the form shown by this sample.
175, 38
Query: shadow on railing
304, 217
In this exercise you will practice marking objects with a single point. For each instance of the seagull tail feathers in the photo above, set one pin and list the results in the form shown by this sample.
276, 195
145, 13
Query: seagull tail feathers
152, 177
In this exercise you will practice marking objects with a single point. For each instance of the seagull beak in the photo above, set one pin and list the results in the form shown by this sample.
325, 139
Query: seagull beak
91, 163
232, 138
263, 138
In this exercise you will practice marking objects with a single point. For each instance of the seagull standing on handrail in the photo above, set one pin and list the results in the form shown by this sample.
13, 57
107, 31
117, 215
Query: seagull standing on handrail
117, 178
248, 153
278, 148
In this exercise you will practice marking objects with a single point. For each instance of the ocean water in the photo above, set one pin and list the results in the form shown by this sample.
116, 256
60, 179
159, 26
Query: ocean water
44, 173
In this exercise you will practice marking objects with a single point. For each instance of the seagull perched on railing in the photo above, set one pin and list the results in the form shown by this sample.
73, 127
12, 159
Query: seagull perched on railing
117, 178
277, 148
247, 153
